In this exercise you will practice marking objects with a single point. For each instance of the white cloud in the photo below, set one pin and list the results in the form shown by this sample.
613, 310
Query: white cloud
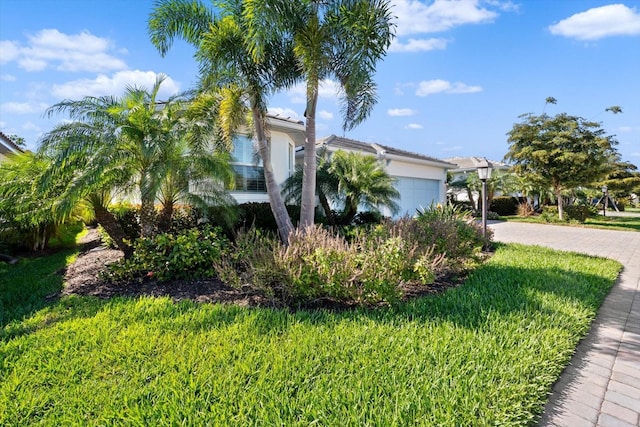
430, 87
7, 78
416, 17
50, 48
599, 22
399, 112
413, 126
30, 126
114, 85
284, 112
23, 107
326, 115
418, 45
327, 89
9, 51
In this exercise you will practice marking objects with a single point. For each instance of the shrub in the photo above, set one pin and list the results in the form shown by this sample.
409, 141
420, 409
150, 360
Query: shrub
525, 209
578, 212
259, 215
452, 231
187, 254
504, 205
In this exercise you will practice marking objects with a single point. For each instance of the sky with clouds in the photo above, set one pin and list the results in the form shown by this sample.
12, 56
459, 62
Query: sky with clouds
454, 81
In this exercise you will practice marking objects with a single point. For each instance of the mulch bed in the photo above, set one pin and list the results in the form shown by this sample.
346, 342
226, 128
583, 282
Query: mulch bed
83, 277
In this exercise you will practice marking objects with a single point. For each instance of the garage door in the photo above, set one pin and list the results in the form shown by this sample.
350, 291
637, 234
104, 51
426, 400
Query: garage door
416, 193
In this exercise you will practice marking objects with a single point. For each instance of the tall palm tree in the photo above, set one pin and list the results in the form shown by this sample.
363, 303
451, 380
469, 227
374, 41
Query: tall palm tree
248, 68
342, 39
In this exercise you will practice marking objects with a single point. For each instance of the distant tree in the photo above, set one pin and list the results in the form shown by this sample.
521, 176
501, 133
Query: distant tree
18, 140
563, 151
622, 180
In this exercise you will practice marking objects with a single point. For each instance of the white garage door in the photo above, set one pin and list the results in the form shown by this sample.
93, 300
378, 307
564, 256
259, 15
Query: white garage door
416, 193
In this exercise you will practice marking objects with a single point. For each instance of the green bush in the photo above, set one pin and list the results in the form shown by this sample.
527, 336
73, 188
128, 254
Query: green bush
504, 205
188, 254
259, 215
578, 212
452, 231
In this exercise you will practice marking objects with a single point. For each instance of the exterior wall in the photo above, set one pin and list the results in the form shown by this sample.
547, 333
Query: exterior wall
415, 170
282, 161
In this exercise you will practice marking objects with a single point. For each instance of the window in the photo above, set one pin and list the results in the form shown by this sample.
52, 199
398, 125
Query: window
248, 168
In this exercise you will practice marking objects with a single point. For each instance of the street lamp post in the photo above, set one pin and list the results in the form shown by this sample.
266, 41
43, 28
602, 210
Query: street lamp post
605, 200
484, 173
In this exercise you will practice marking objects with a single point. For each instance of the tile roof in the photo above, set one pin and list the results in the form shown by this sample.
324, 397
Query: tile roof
9, 143
377, 149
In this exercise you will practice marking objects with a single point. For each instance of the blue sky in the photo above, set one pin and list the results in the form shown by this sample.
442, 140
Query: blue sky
454, 82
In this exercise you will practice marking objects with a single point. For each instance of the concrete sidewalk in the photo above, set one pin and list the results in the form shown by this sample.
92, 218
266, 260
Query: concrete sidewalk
601, 385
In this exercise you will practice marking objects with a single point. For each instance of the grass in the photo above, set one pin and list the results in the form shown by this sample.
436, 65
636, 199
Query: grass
485, 353
609, 222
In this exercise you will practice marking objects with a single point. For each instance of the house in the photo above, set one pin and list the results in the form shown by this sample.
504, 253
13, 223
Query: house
420, 179
465, 166
8, 147
285, 135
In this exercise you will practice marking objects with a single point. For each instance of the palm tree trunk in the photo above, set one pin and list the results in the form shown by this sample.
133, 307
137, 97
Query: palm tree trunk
307, 208
164, 219
327, 208
278, 208
350, 211
147, 217
558, 194
113, 229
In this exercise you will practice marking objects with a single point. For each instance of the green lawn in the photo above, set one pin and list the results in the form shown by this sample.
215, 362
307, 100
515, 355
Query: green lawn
608, 222
485, 353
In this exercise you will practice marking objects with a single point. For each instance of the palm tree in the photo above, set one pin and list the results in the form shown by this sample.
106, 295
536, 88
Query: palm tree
326, 185
351, 179
247, 68
121, 138
342, 39
188, 179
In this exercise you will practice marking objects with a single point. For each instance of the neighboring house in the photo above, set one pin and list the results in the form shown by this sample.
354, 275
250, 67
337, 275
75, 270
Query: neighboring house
469, 165
420, 179
8, 147
285, 134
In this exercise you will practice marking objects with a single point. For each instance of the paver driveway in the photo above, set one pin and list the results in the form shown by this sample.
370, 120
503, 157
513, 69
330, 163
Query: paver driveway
601, 386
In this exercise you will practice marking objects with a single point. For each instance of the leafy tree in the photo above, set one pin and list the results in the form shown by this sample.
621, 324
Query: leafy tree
563, 151
342, 39
246, 65
18, 140
622, 180
349, 179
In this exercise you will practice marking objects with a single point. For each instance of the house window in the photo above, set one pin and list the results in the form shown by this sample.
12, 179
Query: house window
248, 168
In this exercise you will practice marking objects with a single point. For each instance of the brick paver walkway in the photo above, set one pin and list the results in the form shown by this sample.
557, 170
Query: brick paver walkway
601, 385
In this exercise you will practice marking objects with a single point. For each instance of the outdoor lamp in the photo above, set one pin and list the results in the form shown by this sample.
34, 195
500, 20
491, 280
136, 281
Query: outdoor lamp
605, 199
484, 173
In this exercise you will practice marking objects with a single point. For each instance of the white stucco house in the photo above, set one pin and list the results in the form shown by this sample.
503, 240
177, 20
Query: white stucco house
420, 179
285, 135
7, 147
